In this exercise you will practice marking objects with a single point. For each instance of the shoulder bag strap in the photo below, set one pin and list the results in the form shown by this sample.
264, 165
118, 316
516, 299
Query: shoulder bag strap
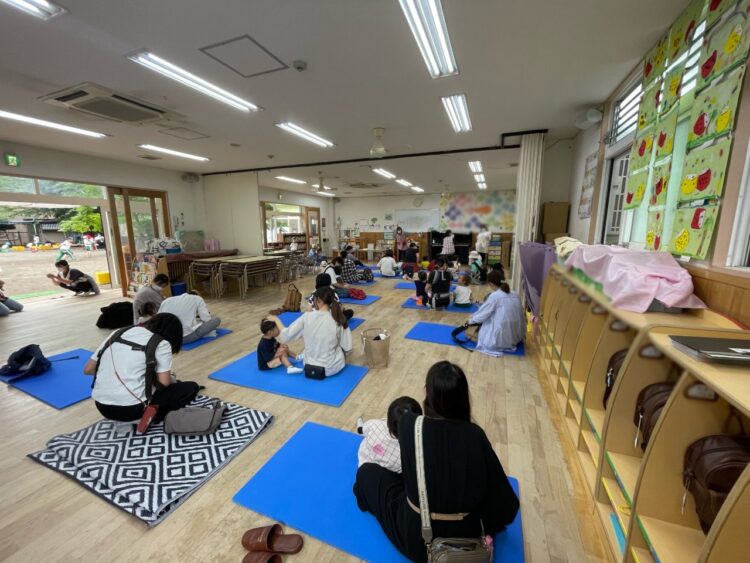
117, 375
424, 507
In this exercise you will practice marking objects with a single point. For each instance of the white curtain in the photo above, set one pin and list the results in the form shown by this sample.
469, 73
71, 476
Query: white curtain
528, 196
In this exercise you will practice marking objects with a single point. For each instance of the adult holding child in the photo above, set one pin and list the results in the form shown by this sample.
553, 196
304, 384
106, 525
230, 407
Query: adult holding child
325, 331
468, 492
501, 316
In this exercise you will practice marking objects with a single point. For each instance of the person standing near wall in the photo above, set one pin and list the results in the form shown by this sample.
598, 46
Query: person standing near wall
401, 243
483, 243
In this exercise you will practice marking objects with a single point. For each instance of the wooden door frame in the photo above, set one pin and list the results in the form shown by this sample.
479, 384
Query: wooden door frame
307, 225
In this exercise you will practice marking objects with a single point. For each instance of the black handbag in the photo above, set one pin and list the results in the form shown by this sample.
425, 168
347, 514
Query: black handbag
315, 372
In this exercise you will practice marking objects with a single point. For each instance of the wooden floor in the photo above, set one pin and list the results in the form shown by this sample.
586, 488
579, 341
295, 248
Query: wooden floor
47, 517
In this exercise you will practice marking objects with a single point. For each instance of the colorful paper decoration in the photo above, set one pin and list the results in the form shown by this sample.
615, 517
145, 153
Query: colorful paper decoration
714, 109
635, 189
681, 32
655, 61
716, 9
704, 171
692, 230
672, 88
654, 228
726, 48
664, 134
659, 183
640, 152
649, 107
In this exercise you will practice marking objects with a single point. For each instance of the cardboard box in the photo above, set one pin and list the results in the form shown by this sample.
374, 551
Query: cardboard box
550, 237
555, 217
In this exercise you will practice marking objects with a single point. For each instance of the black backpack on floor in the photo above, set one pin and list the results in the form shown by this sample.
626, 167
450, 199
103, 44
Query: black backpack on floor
25, 362
116, 315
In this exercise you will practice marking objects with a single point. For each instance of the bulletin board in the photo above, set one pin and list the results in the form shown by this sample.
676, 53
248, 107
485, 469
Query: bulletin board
418, 220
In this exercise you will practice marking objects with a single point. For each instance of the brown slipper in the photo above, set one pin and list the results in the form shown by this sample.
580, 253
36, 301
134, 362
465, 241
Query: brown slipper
261, 557
272, 539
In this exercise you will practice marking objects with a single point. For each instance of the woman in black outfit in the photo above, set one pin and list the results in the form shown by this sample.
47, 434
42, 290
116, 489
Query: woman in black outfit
462, 472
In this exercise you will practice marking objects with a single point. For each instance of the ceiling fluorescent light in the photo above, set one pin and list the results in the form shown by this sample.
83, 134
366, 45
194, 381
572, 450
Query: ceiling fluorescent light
165, 68
482, 186
325, 193
38, 8
305, 134
50, 124
416, 189
458, 112
479, 177
384, 173
403, 182
292, 180
324, 186
475, 166
427, 23
174, 153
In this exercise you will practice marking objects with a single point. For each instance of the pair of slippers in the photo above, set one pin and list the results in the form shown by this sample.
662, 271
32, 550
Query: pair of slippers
268, 543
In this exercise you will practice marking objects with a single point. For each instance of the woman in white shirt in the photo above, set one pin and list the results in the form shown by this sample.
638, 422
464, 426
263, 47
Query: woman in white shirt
387, 265
502, 318
483, 243
119, 391
191, 309
449, 249
325, 331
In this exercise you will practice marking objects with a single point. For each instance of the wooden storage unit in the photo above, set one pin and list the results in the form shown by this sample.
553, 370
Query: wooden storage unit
578, 332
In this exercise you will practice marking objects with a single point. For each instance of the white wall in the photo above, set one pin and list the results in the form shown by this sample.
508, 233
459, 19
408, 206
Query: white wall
556, 171
352, 209
586, 143
233, 211
184, 198
308, 200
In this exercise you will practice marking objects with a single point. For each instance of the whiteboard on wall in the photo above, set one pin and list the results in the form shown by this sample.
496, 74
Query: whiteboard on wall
418, 220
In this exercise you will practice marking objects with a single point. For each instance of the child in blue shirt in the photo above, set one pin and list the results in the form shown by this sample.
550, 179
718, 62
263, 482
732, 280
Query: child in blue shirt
421, 282
271, 354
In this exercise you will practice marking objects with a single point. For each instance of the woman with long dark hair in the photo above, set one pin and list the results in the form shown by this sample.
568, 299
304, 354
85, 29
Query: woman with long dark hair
501, 316
325, 330
467, 488
120, 381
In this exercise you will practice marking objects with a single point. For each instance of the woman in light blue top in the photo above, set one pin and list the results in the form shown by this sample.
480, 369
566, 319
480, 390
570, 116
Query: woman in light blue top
502, 318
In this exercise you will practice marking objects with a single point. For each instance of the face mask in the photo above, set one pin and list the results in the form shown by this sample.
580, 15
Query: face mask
157, 287
61, 272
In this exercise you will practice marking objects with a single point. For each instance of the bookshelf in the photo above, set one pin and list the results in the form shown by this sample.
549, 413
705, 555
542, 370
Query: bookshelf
143, 269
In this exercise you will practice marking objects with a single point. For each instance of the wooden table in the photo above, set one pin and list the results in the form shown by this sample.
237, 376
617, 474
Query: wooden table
241, 269
209, 268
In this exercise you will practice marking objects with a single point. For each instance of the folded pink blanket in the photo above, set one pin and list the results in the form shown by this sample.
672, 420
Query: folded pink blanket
632, 279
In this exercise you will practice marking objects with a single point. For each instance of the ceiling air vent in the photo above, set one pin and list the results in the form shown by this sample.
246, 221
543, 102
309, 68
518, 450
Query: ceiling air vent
96, 100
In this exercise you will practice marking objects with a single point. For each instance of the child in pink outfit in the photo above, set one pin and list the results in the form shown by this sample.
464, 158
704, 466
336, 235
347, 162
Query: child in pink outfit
380, 444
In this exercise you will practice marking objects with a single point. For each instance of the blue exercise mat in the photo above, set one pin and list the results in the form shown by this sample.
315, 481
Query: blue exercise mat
289, 317
369, 300
441, 334
411, 286
64, 384
363, 282
206, 339
331, 391
412, 304
307, 485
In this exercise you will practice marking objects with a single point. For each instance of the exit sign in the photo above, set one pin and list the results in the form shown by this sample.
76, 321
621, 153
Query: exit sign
12, 160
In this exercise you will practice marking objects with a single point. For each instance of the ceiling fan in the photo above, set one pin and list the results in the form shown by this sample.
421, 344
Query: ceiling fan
378, 150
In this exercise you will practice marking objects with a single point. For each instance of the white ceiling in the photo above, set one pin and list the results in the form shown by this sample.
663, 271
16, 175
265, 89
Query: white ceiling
523, 65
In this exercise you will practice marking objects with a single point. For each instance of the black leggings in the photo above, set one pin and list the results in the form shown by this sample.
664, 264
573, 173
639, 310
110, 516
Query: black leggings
83, 285
170, 398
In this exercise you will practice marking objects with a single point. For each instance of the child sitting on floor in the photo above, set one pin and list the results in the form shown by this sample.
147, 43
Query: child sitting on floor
462, 293
380, 444
271, 354
425, 263
421, 283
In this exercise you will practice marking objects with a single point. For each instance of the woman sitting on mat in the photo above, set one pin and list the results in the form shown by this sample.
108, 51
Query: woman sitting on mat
387, 265
325, 331
467, 489
502, 318
323, 280
350, 273
119, 391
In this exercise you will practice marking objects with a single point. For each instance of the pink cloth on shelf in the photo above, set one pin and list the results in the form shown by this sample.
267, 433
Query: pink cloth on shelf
632, 279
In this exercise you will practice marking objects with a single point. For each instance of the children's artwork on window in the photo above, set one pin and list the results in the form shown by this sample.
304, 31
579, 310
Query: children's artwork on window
654, 228
714, 109
659, 183
664, 134
682, 30
716, 9
654, 63
649, 108
692, 230
704, 171
726, 48
640, 153
635, 189
672, 88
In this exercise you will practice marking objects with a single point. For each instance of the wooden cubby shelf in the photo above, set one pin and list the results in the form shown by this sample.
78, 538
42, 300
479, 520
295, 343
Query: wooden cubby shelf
637, 489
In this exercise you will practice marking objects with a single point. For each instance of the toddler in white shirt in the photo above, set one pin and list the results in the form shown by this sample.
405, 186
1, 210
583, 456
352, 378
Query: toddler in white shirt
380, 444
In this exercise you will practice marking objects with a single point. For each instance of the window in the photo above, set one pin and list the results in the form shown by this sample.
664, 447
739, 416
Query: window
70, 189
282, 218
616, 199
625, 115
16, 185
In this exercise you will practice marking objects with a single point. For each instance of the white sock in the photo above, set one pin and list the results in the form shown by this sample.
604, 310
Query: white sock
292, 370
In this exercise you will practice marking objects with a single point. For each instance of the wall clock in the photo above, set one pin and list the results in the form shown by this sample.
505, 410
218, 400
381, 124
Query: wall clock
417, 202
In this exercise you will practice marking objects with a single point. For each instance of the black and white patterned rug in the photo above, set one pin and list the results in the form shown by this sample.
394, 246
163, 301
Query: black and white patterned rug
150, 475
